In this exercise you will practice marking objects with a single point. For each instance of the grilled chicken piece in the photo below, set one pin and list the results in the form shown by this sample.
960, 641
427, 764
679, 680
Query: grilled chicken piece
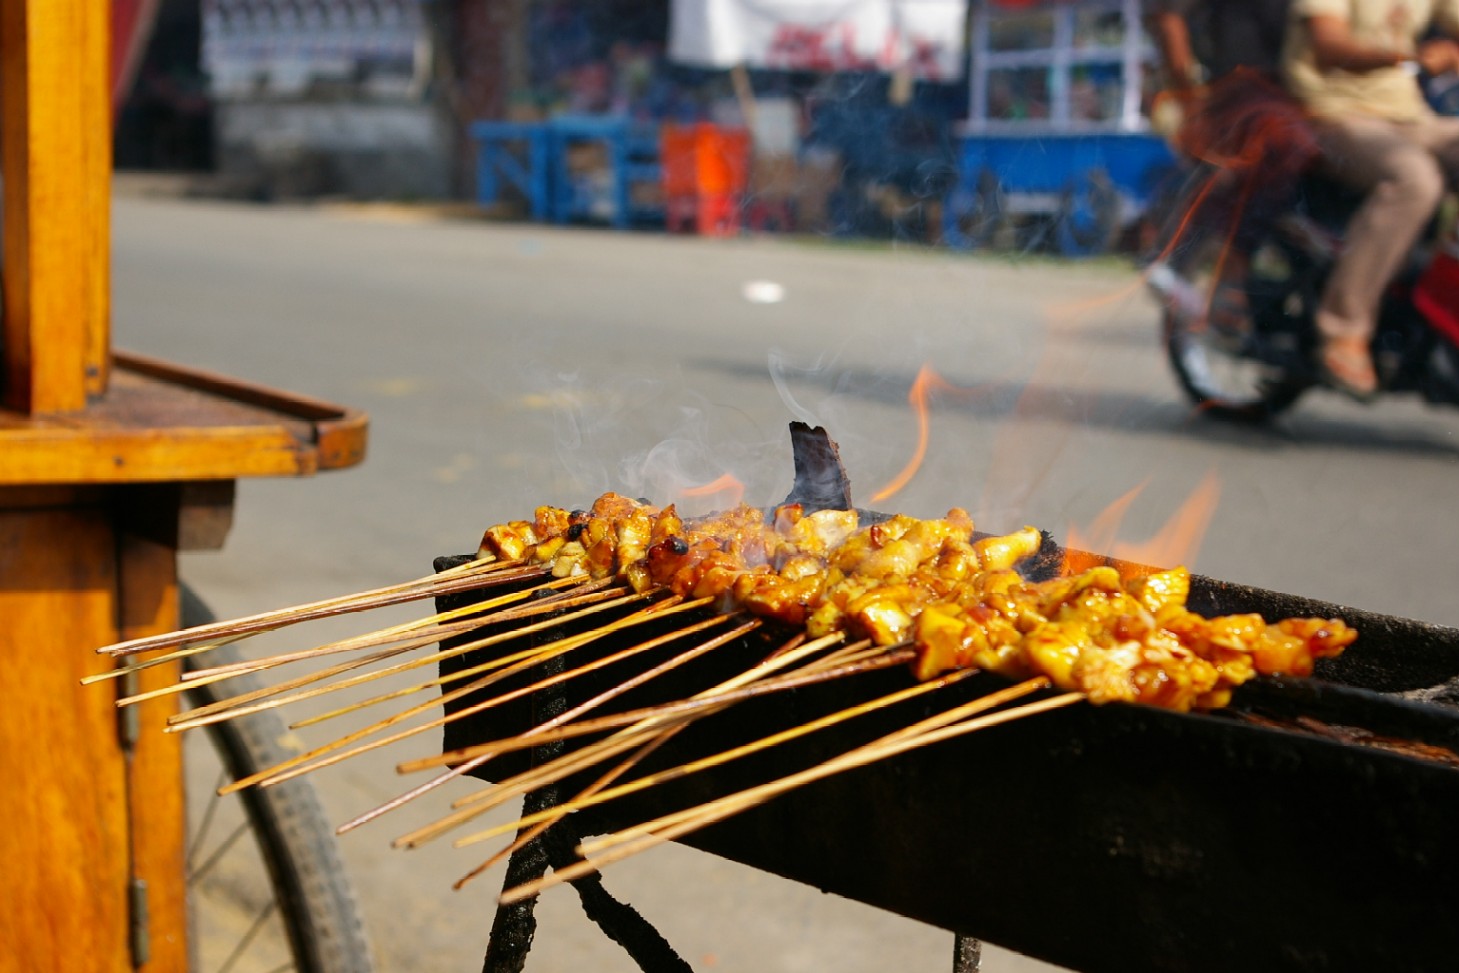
928, 582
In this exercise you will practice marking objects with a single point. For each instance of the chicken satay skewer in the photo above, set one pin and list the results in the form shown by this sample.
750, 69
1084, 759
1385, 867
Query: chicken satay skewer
206, 676
460, 674
532, 825
527, 833
268, 697
332, 753
468, 765
625, 844
595, 795
232, 702
652, 723
484, 573
555, 730
931, 724
440, 625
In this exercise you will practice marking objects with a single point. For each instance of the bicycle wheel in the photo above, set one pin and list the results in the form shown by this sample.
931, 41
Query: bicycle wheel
267, 891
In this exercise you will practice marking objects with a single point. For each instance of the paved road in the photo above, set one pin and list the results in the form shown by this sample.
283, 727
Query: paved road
505, 366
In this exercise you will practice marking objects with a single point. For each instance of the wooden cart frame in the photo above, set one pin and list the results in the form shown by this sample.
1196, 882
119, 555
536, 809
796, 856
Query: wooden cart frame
109, 466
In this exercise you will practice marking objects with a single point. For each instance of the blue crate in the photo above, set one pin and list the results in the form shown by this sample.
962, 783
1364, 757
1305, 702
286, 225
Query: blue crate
518, 153
633, 157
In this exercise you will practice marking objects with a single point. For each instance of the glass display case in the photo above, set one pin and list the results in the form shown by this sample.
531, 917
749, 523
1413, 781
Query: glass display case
1059, 66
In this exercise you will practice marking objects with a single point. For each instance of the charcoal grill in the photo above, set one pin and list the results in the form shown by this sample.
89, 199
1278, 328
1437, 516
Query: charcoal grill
1309, 826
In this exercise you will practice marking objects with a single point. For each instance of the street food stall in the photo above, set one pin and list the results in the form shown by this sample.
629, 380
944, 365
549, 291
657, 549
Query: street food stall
110, 464
822, 102
1056, 126
854, 109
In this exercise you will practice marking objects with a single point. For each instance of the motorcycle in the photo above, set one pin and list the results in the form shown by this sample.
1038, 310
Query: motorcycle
1258, 366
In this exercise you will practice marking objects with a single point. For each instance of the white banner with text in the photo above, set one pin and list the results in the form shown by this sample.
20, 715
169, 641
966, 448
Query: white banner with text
924, 37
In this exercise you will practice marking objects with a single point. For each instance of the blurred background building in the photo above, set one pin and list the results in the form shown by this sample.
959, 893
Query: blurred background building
869, 117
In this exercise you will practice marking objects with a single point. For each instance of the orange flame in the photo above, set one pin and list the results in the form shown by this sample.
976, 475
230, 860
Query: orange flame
1176, 543
926, 382
732, 488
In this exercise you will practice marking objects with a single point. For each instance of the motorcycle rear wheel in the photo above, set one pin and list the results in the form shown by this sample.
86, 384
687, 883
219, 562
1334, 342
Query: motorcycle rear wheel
1214, 366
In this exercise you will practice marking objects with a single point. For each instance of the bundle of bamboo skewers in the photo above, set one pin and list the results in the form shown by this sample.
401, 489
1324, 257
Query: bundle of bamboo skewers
505, 632
526, 604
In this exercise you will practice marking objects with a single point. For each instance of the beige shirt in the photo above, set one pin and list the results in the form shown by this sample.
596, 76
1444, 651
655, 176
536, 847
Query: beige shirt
1395, 25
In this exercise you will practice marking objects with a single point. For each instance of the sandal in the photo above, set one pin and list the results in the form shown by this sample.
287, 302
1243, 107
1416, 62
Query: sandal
1345, 365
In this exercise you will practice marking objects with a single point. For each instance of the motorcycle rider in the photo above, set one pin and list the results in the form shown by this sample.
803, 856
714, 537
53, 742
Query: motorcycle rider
1353, 65
1221, 63
1203, 41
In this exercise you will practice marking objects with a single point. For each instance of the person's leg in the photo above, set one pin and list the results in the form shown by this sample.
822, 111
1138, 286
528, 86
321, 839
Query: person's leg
1404, 184
1271, 135
1440, 135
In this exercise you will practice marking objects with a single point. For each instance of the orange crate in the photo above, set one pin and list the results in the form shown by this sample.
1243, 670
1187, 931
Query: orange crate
708, 214
704, 159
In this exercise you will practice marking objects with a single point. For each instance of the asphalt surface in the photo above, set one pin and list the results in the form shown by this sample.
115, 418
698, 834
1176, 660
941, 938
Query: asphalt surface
505, 366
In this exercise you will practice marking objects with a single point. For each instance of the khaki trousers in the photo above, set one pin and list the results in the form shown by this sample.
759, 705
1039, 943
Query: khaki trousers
1403, 167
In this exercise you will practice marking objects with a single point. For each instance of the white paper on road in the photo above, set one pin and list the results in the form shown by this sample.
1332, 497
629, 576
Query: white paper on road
926, 37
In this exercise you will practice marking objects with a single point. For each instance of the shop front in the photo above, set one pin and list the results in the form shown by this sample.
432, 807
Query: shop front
1057, 136
932, 120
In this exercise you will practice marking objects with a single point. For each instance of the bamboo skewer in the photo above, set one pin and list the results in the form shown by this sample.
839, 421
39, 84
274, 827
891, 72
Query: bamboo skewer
216, 674
533, 737
460, 674
554, 815
530, 780
560, 728
182, 687
194, 649
551, 651
549, 734
633, 682
590, 799
535, 824
483, 573
131, 664
235, 706
629, 842
942, 726
475, 805
547, 652
622, 687
440, 625
657, 720
328, 754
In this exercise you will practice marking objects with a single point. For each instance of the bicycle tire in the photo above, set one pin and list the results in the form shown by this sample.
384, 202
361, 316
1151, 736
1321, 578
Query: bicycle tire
297, 845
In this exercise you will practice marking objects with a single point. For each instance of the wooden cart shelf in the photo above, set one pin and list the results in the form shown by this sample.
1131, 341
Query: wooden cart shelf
162, 422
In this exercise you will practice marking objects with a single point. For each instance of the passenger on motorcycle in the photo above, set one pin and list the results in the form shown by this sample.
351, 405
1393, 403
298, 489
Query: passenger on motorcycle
1221, 62
1353, 64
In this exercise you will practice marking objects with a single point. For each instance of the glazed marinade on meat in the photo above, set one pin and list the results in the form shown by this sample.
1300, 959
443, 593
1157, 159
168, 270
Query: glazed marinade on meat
930, 583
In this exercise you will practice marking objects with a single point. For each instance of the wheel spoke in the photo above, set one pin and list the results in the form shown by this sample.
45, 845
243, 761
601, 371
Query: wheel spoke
218, 853
200, 837
242, 947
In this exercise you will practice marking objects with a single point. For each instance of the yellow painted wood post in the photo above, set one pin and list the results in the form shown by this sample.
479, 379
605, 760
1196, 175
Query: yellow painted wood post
56, 159
86, 818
